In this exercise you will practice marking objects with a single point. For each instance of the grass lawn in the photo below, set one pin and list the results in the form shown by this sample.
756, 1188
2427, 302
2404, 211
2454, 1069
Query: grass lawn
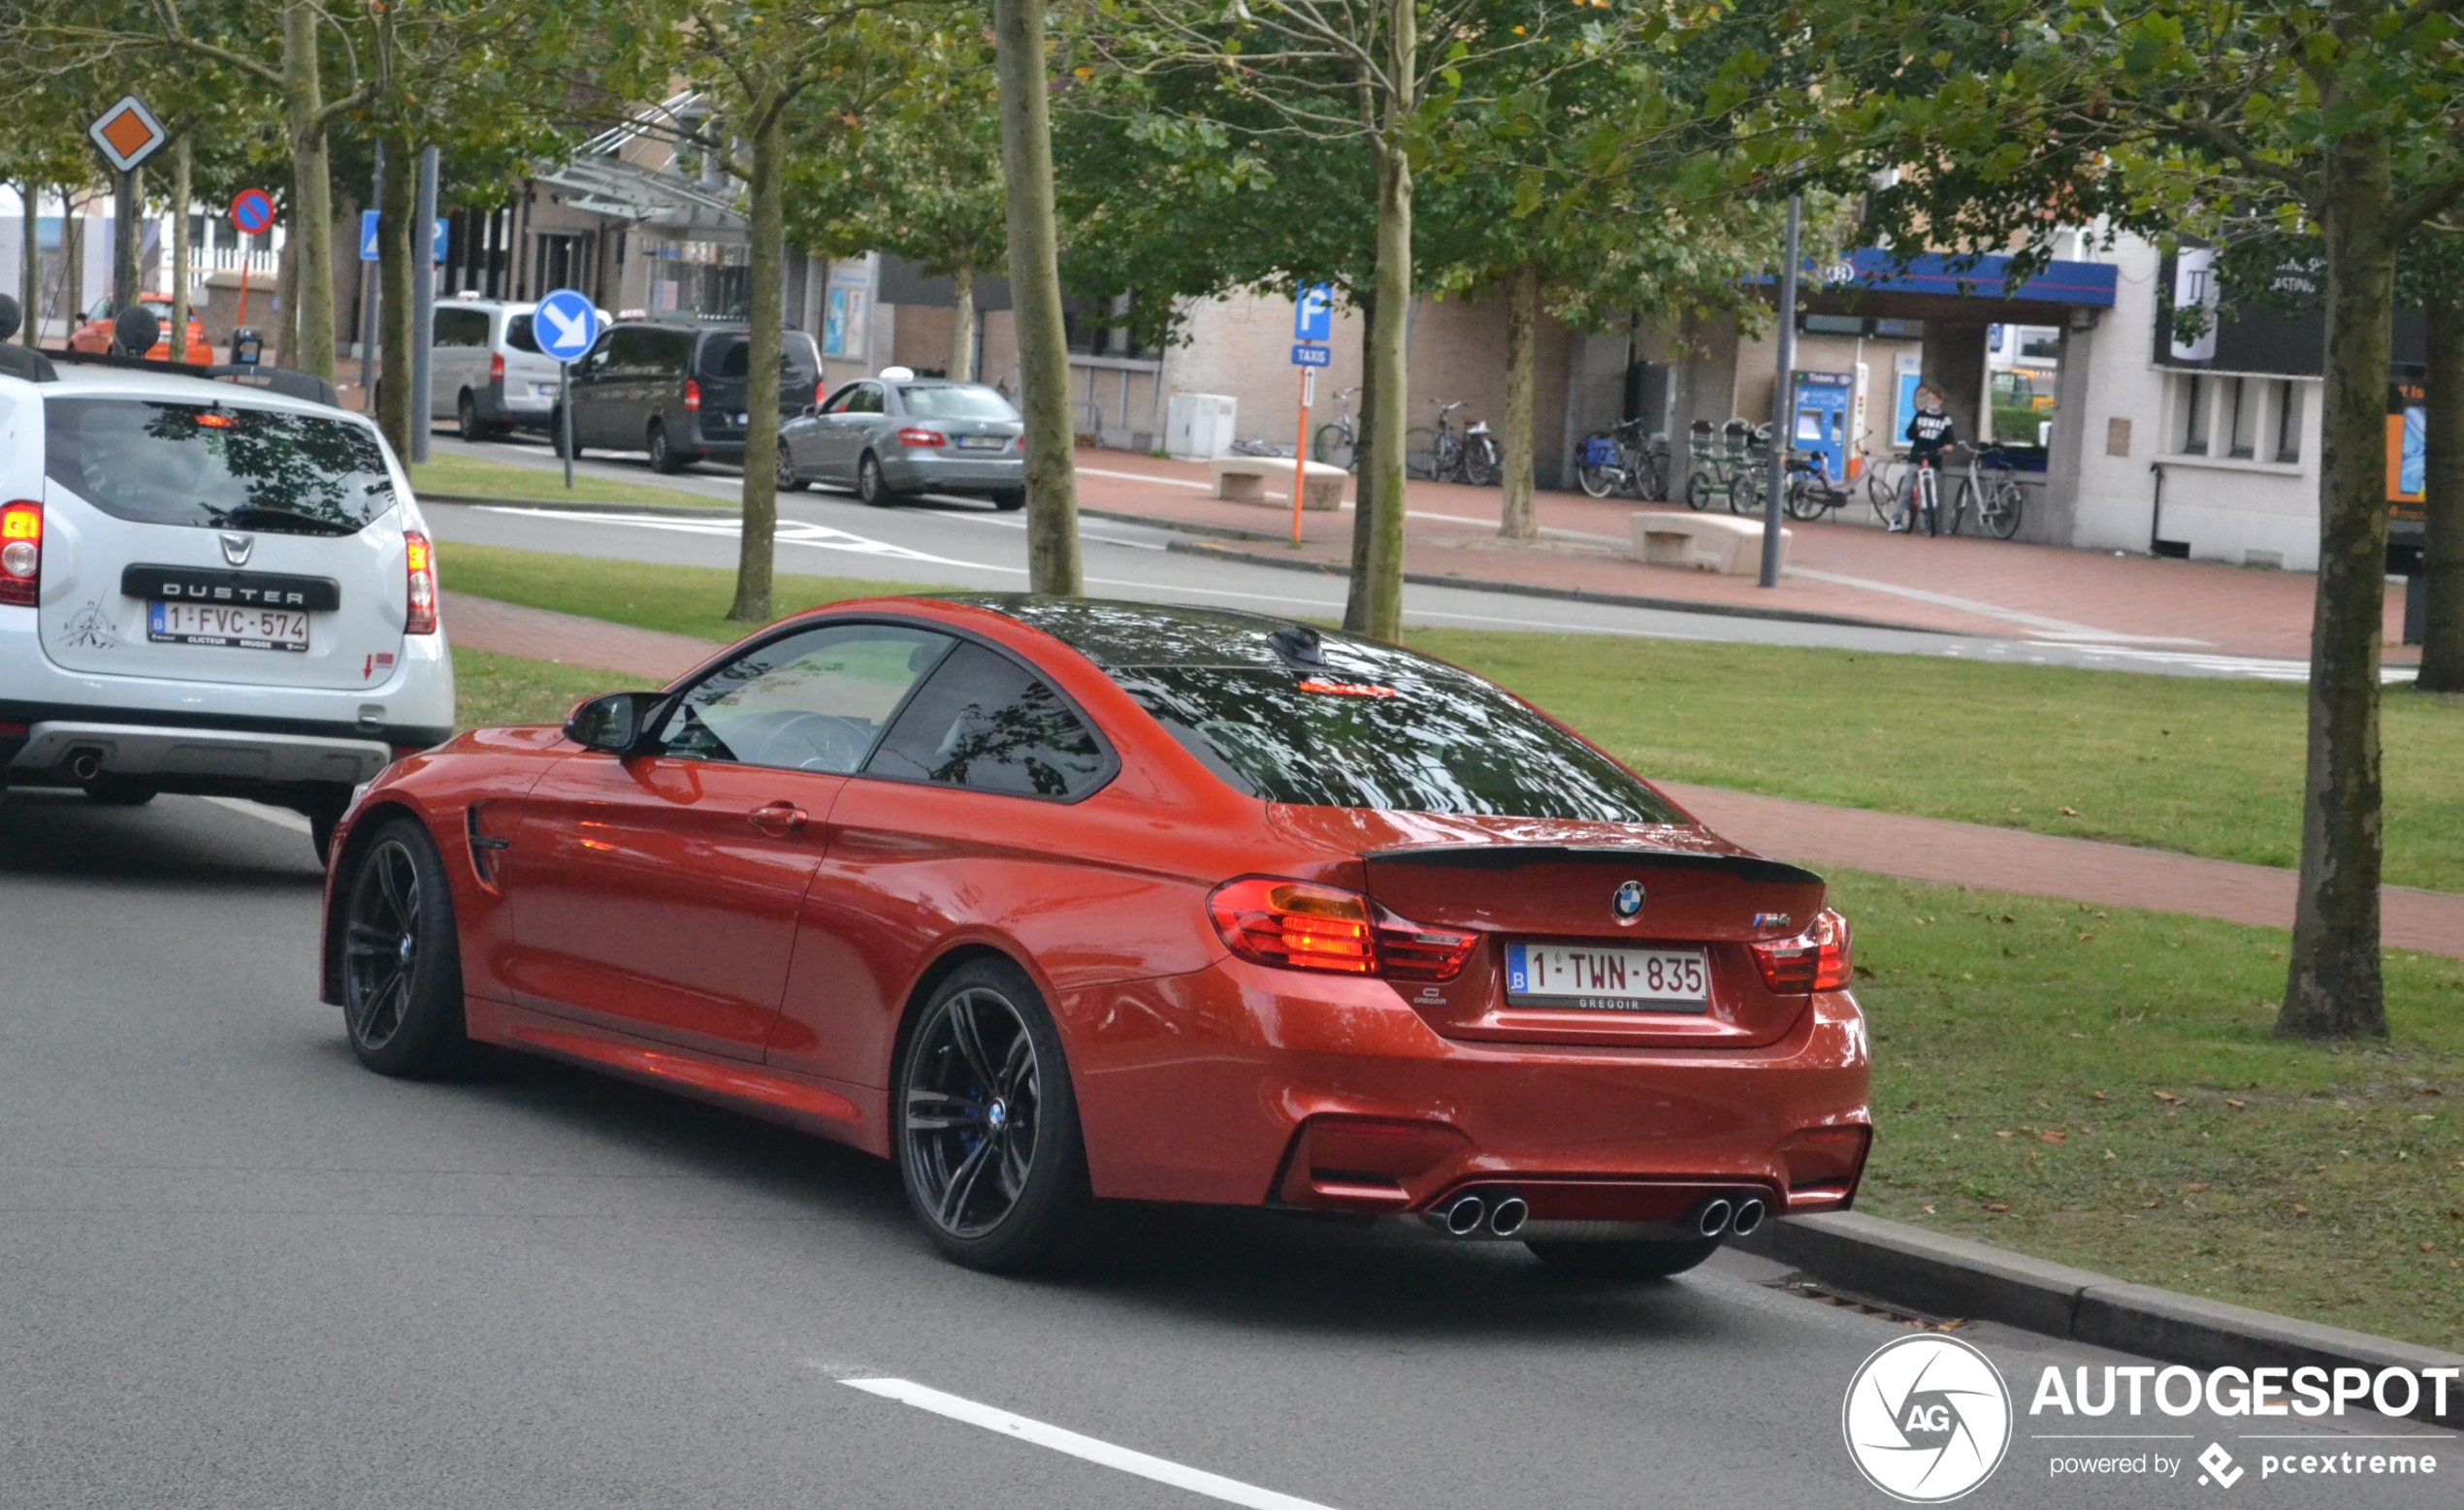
472, 476
2195, 764
2097, 1086
493, 690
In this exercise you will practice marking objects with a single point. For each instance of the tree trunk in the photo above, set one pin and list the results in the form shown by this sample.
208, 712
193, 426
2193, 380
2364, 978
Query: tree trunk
2443, 500
182, 187
2333, 988
286, 301
128, 214
1035, 300
1522, 318
1364, 487
30, 264
962, 327
757, 545
309, 308
72, 285
395, 329
1382, 588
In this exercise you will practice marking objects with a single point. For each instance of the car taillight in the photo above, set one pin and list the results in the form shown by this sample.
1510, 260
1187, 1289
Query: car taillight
820, 390
693, 397
421, 560
912, 437
1815, 960
21, 553
496, 367
1299, 927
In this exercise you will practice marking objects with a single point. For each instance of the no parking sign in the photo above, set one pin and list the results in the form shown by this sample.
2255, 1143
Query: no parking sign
252, 211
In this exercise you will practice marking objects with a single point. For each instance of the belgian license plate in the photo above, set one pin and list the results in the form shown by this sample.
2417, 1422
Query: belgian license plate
983, 442
1596, 978
238, 628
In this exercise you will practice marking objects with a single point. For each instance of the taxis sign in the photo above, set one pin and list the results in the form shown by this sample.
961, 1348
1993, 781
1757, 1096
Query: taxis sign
128, 133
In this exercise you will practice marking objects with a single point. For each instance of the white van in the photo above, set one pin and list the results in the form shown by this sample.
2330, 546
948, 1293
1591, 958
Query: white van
486, 373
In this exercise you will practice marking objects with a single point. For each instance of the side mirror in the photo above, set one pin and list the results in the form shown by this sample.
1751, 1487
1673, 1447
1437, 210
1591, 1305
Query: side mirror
136, 331
11, 317
612, 724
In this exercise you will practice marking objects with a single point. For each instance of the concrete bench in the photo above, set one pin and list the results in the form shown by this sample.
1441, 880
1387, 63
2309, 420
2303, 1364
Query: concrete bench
1244, 479
1704, 542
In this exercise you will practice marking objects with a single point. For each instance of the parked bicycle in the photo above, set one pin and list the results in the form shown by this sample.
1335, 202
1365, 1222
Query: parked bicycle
1714, 461
1444, 454
1811, 494
1624, 460
1337, 443
1917, 502
1988, 492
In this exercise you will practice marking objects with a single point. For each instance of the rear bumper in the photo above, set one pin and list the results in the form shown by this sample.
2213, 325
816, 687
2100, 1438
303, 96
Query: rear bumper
918, 469
511, 402
154, 752
1230, 1086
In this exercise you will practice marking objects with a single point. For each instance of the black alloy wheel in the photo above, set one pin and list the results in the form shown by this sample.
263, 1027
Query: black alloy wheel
784, 470
987, 1136
871, 488
402, 961
1624, 1260
466, 418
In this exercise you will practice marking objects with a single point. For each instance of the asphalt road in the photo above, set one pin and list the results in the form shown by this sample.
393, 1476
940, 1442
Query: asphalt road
239, 1270
956, 542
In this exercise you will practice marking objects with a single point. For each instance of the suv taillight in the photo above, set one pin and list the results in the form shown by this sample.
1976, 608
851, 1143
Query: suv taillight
496, 367
420, 557
21, 553
1815, 960
1295, 925
693, 397
914, 436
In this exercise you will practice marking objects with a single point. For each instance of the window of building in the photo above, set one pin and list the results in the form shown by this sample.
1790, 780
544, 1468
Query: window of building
2288, 421
2246, 404
2195, 407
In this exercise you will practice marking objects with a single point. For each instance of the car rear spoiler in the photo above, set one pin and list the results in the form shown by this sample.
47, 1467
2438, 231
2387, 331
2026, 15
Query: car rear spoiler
1514, 856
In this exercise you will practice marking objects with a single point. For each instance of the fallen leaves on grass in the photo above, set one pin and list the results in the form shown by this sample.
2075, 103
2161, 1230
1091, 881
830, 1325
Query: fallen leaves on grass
2167, 1097
2098, 1095
2300, 1209
2238, 1105
1997, 1206
2070, 812
2053, 1136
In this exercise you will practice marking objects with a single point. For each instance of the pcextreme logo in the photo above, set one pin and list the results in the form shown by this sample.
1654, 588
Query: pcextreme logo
1927, 1419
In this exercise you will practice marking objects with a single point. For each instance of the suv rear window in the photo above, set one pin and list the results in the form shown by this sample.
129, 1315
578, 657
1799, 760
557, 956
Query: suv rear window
1391, 731
800, 360
517, 335
213, 466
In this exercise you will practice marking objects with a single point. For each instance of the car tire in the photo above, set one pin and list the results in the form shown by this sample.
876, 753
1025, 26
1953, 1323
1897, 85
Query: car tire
985, 1125
784, 471
871, 487
466, 418
402, 959
1625, 1260
120, 791
1011, 502
662, 456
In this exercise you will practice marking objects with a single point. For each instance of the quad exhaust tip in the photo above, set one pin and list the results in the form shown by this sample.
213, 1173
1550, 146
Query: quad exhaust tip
1463, 1217
1748, 1215
1711, 1218
1508, 1216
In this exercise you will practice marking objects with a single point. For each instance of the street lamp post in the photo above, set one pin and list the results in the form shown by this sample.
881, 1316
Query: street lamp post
1781, 398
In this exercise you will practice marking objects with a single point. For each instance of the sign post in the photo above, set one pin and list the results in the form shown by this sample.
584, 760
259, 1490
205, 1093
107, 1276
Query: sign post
127, 134
1313, 323
565, 326
251, 214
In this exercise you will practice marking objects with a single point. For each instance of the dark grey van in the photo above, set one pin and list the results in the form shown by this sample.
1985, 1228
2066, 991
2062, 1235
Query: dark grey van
679, 392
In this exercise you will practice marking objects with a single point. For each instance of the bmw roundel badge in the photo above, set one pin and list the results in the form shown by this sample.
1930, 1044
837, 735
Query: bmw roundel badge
1627, 901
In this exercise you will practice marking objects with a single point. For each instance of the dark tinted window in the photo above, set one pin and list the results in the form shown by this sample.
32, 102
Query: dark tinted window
982, 721
1386, 729
729, 356
461, 327
211, 466
518, 337
632, 350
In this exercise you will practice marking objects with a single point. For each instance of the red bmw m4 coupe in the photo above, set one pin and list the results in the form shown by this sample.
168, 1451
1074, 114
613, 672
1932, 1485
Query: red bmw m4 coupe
1054, 901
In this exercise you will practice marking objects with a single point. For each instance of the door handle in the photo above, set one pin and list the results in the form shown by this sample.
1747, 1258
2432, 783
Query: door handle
778, 819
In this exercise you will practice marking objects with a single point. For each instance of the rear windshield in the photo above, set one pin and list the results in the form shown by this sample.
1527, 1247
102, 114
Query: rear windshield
798, 358
1389, 731
517, 334
213, 466
956, 400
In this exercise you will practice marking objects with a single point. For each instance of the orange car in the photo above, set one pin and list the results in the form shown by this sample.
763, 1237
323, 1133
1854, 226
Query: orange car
95, 335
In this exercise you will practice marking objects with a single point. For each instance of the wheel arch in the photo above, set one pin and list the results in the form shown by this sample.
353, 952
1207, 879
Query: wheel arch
365, 825
950, 961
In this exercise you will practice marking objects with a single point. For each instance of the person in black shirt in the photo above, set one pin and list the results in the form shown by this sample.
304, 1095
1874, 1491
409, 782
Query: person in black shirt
1929, 434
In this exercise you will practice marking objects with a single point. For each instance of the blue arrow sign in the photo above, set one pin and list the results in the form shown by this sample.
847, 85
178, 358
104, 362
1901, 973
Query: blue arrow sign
565, 324
1313, 316
1313, 356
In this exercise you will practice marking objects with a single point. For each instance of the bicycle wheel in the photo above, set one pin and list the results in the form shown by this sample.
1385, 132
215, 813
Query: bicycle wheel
1699, 488
1649, 478
1598, 481
1800, 499
1962, 500
1929, 502
1745, 493
1333, 446
1420, 454
2001, 516
1881, 495
1480, 464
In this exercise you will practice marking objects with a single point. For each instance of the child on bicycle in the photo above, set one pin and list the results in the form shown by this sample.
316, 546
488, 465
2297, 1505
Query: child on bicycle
1929, 434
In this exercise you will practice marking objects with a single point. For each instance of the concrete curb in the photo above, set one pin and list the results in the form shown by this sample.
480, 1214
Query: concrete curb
577, 506
1682, 605
1914, 1270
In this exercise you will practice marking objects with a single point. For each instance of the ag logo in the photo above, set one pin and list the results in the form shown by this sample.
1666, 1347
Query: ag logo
1927, 1419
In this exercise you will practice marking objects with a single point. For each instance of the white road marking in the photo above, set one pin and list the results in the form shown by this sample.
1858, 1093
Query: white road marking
1197, 1481
280, 817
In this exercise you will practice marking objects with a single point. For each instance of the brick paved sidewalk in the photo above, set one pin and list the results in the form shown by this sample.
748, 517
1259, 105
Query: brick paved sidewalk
1916, 848
1958, 586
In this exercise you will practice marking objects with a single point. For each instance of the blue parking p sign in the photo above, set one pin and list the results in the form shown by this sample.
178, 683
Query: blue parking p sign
440, 239
565, 325
1313, 315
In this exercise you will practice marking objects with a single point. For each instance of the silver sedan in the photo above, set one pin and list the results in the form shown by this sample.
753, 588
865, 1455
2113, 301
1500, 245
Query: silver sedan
891, 437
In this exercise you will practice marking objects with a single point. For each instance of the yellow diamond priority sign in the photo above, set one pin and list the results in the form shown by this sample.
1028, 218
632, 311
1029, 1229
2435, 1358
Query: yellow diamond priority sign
127, 133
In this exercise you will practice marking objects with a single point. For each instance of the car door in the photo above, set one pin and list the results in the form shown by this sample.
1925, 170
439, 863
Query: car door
593, 378
658, 893
817, 454
959, 813
844, 436
457, 358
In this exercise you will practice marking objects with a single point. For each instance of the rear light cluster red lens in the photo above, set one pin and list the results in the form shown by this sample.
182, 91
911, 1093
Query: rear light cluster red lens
693, 397
1815, 960
420, 559
912, 437
1296, 925
821, 390
21, 553
496, 367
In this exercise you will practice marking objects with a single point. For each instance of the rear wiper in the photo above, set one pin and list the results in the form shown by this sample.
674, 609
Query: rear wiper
262, 517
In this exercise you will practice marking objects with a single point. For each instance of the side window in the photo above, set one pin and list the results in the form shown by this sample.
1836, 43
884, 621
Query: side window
674, 355
866, 399
984, 723
840, 401
602, 351
627, 355
814, 701
461, 327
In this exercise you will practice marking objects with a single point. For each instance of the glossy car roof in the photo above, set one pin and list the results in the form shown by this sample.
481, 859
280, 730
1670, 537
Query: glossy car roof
1114, 633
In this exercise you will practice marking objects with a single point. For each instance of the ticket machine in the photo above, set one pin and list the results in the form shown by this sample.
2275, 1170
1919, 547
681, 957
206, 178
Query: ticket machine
1818, 422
